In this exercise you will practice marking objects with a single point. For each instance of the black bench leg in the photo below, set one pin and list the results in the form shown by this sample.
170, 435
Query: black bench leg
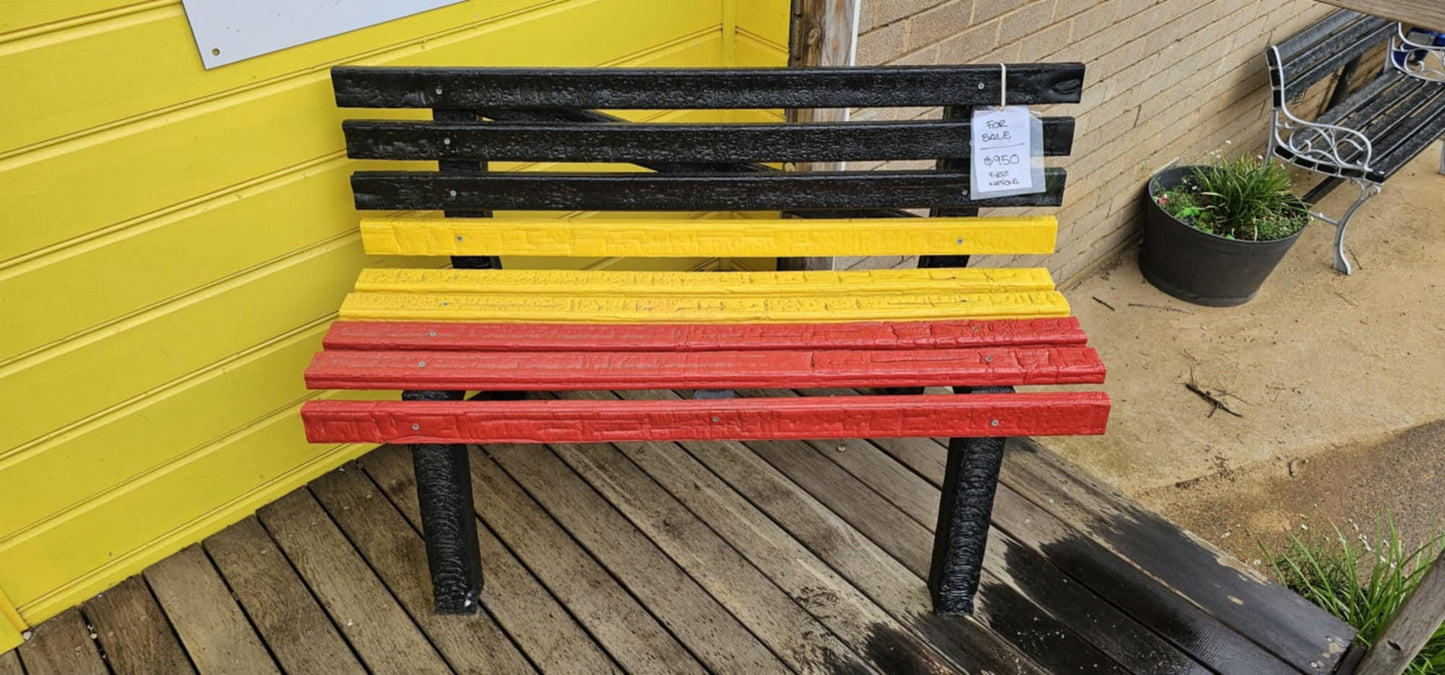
448, 521
969, 482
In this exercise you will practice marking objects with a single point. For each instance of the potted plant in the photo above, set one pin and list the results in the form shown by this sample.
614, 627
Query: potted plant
1213, 233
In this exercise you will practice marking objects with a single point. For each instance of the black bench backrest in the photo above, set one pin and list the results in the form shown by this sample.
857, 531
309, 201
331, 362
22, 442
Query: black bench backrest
1318, 51
484, 115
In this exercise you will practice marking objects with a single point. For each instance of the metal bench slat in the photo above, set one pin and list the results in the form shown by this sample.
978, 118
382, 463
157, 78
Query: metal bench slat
1332, 53
622, 142
1318, 31
506, 337
753, 369
402, 190
801, 307
574, 421
740, 237
717, 88
1410, 138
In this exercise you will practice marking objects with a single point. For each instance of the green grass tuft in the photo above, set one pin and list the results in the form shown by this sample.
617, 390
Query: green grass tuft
1363, 583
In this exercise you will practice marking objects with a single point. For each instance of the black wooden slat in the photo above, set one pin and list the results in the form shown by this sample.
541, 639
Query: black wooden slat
1316, 32
653, 88
392, 190
624, 142
595, 117
1332, 53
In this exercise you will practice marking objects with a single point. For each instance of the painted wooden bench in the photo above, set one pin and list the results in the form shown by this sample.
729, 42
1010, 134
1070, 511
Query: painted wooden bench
438, 333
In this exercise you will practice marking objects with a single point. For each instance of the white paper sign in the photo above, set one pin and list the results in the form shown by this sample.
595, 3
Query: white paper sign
228, 31
1003, 151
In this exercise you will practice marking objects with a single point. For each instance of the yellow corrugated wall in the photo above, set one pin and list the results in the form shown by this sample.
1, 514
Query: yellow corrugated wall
174, 242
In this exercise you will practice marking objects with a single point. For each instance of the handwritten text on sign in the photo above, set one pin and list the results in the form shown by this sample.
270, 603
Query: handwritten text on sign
1002, 148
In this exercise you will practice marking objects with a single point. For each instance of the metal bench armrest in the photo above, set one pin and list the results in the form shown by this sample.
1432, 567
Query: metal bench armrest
1324, 144
1430, 67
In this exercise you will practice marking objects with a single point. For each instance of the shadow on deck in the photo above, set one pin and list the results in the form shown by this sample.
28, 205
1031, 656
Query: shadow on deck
727, 557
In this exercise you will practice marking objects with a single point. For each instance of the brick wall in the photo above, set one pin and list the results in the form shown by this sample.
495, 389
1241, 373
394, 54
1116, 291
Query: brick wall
1166, 80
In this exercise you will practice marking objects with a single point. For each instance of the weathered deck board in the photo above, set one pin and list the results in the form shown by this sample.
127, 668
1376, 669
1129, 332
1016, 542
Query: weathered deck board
386, 639
625, 628
471, 643
294, 627
541, 626
696, 618
10, 663
660, 557
62, 646
134, 632
213, 629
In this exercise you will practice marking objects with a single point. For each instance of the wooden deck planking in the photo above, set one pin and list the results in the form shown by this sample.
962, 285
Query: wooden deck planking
288, 618
611, 615
714, 635
215, 632
10, 663
653, 557
62, 646
775, 617
133, 631
366, 613
540, 626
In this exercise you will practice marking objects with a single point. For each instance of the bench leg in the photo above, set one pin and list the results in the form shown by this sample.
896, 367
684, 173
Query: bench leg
448, 519
969, 482
1367, 191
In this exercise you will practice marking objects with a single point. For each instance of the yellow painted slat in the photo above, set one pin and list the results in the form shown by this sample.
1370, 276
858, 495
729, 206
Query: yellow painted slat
671, 309
216, 144
692, 284
722, 238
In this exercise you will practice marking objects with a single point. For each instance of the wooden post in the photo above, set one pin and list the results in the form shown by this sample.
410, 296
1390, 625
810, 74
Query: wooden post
821, 34
1418, 619
1429, 15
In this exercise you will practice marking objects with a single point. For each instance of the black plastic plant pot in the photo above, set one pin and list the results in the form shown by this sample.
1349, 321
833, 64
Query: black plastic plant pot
1199, 267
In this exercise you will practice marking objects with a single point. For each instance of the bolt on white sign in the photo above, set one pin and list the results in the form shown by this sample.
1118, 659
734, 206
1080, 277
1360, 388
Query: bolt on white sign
1006, 151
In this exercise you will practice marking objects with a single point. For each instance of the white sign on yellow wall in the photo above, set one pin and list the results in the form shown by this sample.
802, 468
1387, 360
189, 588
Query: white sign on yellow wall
227, 31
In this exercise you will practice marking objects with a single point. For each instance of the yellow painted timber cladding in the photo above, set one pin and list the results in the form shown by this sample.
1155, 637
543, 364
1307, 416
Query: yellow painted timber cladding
710, 238
157, 328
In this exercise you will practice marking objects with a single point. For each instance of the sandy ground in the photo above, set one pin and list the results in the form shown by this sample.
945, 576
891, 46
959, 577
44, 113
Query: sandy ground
1339, 381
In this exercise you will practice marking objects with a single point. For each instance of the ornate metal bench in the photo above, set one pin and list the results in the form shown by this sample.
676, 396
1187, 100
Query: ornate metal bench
437, 333
1363, 137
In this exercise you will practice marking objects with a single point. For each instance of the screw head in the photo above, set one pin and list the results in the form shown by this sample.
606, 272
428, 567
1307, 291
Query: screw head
431, 334
421, 364
446, 141
452, 192
988, 359
715, 418
415, 427
993, 423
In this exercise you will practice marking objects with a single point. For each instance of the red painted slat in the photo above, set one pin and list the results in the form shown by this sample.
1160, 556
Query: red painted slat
394, 335
568, 421
551, 371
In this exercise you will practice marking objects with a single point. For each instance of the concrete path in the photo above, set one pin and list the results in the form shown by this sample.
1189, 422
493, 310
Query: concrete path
1330, 374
